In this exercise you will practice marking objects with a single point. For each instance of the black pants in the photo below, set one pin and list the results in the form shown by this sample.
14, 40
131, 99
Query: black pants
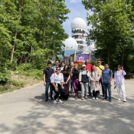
59, 92
102, 87
71, 83
95, 94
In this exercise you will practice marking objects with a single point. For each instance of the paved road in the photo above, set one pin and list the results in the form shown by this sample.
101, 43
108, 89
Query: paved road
25, 112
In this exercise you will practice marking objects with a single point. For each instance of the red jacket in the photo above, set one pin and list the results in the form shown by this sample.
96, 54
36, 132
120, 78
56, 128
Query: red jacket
89, 67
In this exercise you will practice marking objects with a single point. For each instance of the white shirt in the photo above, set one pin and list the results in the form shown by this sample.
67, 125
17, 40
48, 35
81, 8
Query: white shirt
119, 75
57, 79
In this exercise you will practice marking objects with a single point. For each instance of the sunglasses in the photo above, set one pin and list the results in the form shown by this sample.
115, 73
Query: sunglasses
98, 62
58, 69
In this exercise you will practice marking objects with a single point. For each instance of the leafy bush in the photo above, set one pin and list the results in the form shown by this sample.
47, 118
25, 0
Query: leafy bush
4, 76
3, 88
25, 66
37, 74
11, 66
40, 63
93, 62
17, 83
79, 66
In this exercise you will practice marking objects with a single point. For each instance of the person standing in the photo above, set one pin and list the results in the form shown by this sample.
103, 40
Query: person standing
71, 77
47, 73
75, 73
107, 76
119, 81
95, 77
62, 65
89, 68
66, 74
100, 68
84, 81
56, 65
57, 80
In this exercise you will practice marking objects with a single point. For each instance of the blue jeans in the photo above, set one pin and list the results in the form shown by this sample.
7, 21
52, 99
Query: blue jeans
51, 90
107, 86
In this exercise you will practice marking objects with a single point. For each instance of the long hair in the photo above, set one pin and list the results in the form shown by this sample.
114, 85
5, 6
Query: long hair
65, 70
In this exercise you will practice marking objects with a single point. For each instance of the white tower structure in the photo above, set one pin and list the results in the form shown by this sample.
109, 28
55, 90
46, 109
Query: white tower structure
70, 44
78, 27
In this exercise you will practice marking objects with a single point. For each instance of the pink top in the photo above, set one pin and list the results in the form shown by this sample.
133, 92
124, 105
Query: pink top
119, 78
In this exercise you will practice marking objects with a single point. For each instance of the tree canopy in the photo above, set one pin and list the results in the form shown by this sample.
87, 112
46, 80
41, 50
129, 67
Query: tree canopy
112, 24
31, 30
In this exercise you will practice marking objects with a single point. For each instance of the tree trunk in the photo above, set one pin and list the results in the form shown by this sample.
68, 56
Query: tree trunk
20, 9
12, 53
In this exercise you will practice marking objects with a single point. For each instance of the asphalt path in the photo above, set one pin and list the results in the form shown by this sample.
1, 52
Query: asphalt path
25, 112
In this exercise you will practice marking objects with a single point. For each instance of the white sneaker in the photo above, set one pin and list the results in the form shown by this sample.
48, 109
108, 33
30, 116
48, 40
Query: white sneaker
55, 102
60, 101
93, 98
119, 99
96, 98
82, 98
124, 100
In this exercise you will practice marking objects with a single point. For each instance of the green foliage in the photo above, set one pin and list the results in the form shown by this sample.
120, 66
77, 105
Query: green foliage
112, 30
31, 31
93, 62
17, 83
37, 74
25, 66
3, 77
4, 88
79, 66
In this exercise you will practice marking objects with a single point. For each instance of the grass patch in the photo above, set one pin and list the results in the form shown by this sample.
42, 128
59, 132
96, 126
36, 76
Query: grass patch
20, 78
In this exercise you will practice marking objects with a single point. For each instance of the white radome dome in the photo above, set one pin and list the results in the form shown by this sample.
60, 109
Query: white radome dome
70, 43
78, 23
93, 47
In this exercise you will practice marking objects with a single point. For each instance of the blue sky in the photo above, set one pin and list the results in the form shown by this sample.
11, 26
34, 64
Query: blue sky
77, 10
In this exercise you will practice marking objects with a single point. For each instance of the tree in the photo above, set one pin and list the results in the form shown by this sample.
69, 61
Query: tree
31, 31
111, 28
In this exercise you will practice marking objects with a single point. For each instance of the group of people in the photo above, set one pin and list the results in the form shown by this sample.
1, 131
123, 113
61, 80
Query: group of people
63, 79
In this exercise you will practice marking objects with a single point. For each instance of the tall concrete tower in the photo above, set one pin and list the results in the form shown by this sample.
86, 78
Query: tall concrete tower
78, 27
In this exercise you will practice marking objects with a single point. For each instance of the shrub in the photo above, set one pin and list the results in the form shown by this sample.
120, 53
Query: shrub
3, 88
93, 62
11, 66
79, 66
25, 66
4, 77
17, 83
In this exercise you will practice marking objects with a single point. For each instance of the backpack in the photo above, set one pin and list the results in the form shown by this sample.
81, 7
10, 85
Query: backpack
84, 78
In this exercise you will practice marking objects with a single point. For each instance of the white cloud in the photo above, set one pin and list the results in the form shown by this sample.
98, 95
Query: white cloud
74, 1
